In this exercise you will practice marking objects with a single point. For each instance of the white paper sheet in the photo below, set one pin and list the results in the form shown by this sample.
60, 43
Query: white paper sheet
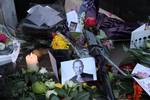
40, 15
139, 36
32, 9
72, 16
43, 9
54, 65
144, 72
16, 51
4, 59
37, 18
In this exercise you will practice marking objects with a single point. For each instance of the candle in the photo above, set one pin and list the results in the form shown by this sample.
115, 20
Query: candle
32, 62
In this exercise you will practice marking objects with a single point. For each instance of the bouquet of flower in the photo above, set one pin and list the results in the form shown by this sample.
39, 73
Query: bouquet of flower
9, 46
5, 43
39, 85
59, 42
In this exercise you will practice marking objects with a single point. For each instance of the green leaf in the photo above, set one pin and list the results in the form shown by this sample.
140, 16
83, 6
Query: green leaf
82, 96
80, 88
20, 84
125, 48
61, 92
32, 95
54, 97
68, 98
33, 78
111, 76
73, 94
26, 98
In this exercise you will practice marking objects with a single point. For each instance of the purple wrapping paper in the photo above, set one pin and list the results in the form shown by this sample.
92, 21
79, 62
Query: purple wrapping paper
91, 9
114, 28
88, 6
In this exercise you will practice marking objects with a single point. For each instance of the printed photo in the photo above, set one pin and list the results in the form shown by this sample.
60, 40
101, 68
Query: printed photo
79, 70
73, 26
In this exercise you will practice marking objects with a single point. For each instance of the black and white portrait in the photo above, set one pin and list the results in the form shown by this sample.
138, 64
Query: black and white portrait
73, 26
79, 70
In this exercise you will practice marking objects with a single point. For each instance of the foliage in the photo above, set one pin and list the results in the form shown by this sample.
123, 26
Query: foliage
20, 86
141, 55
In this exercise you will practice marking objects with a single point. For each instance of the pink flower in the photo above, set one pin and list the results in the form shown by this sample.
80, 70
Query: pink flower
3, 37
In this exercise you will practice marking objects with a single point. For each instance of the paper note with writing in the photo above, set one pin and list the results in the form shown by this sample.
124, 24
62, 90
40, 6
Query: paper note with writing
142, 77
139, 37
54, 65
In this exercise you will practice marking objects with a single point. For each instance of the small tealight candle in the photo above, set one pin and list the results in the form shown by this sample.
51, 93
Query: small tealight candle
32, 62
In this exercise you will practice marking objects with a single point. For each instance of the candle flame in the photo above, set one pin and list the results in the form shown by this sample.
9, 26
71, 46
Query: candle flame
31, 54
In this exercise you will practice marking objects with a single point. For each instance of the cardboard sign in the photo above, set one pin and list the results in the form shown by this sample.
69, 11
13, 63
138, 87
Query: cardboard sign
139, 36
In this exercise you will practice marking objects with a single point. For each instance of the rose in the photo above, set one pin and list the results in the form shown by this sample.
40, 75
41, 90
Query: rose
3, 37
90, 21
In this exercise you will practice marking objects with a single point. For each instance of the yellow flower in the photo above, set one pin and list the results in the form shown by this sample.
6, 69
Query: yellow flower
59, 42
58, 85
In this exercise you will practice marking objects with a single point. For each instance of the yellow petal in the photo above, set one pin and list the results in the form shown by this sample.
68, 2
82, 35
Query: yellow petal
58, 85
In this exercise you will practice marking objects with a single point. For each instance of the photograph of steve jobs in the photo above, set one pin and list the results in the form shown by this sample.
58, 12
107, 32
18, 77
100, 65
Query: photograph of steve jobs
78, 70
80, 76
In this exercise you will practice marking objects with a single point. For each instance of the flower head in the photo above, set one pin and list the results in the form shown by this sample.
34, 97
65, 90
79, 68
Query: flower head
90, 21
58, 85
59, 42
3, 37
48, 93
43, 70
50, 84
70, 84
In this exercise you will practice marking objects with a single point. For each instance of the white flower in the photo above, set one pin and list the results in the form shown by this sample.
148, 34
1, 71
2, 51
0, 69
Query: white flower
43, 70
70, 84
50, 84
49, 92
2, 46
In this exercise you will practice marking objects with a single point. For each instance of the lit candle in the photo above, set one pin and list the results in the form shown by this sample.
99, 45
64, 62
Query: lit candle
32, 62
